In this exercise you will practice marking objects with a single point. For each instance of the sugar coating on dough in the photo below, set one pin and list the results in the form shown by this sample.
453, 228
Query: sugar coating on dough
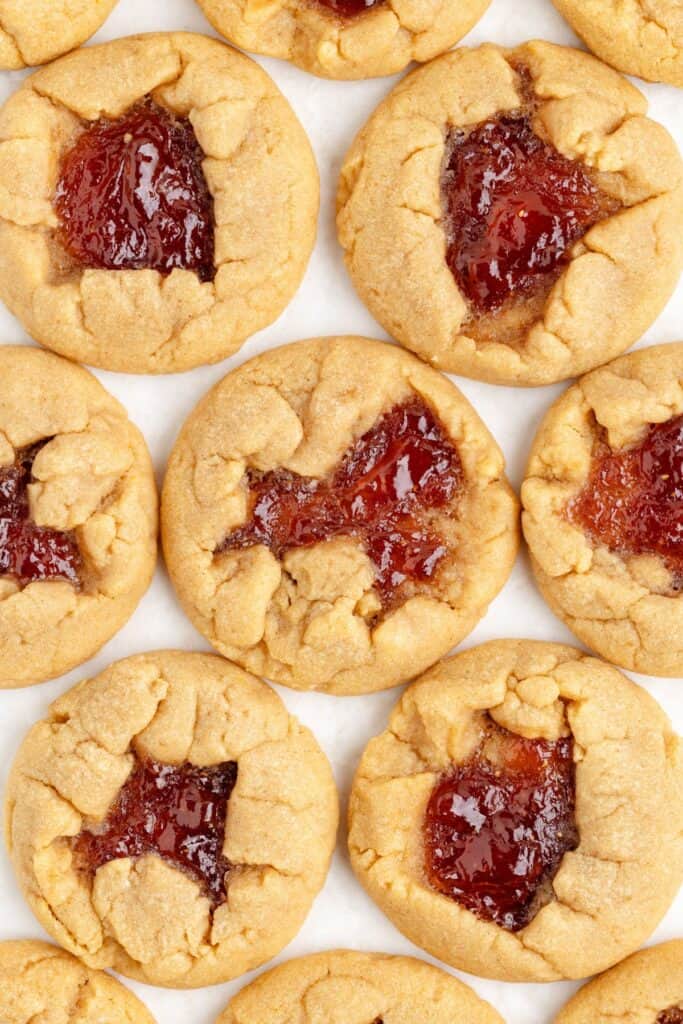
259, 169
39, 982
634, 992
610, 893
36, 31
310, 620
143, 917
621, 273
94, 477
344, 987
380, 41
639, 37
622, 607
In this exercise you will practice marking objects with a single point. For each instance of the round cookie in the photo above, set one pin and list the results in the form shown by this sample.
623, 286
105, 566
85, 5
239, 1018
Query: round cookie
170, 820
357, 988
78, 516
645, 989
639, 37
605, 545
144, 274
560, 261
336, 516
39, 982
36, 31
345, 38
521, 816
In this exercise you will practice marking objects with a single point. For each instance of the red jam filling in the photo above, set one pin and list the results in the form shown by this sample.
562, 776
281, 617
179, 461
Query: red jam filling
497, 827
381, 492
132, 196
29, 552
674, 1015
513, 207
633, 500
350, 8
175, 812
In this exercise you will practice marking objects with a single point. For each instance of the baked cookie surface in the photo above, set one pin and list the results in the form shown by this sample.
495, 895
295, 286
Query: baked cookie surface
336, 516
170, 820
561, 261
146, 271
78, 516
602, 510
521, 818
36, 31
645, 989
639, 37
357, 987
41, 982
345, 38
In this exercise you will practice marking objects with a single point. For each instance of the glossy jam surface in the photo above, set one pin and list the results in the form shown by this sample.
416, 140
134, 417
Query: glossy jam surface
176, 812
513, 207
633, 500
381, 492
350, 8
132, 196
498, 825
29, 552
674, 1015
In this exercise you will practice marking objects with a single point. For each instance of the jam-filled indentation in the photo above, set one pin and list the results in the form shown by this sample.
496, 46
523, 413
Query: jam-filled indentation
674, 1015
350, 8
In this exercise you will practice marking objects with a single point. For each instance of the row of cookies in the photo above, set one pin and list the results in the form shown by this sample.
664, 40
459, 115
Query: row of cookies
560, 263
360, 38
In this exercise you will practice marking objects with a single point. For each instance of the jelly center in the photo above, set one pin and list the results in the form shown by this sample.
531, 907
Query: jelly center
132, 195
513, 206
633, 499
498, 825
381, 493
350, 8
29, 552
175, 812
674, 1015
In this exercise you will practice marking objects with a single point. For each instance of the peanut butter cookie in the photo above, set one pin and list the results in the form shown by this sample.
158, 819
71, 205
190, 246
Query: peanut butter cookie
336, 516
513, 215
522, 816
170, 820
158, 203
37, 31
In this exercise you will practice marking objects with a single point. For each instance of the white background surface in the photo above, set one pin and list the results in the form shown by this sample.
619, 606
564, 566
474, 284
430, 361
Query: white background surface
343, 916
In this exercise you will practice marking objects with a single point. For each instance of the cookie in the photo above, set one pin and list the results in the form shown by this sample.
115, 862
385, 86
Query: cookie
522, 816
639, 37
78, 516
345, 38
355, 988
645, 989
603, 508
158, 203
39, 983
336, 516
170, 820
560, 261
36, 31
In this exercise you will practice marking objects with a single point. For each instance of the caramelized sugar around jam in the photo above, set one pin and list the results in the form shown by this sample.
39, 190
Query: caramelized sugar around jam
513, 207
496, 829
176, 812
674, 1015
132, 195
350, 8
29, 552
387, 482
633, 500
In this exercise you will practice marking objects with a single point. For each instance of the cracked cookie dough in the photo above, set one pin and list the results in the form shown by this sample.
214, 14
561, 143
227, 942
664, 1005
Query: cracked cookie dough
336, 516
467, 279
41, 983
638, 37
254, 174
245, 818
357, 988
36, 31
602, 510
645, 989
78, 516
623, 859
345, 38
